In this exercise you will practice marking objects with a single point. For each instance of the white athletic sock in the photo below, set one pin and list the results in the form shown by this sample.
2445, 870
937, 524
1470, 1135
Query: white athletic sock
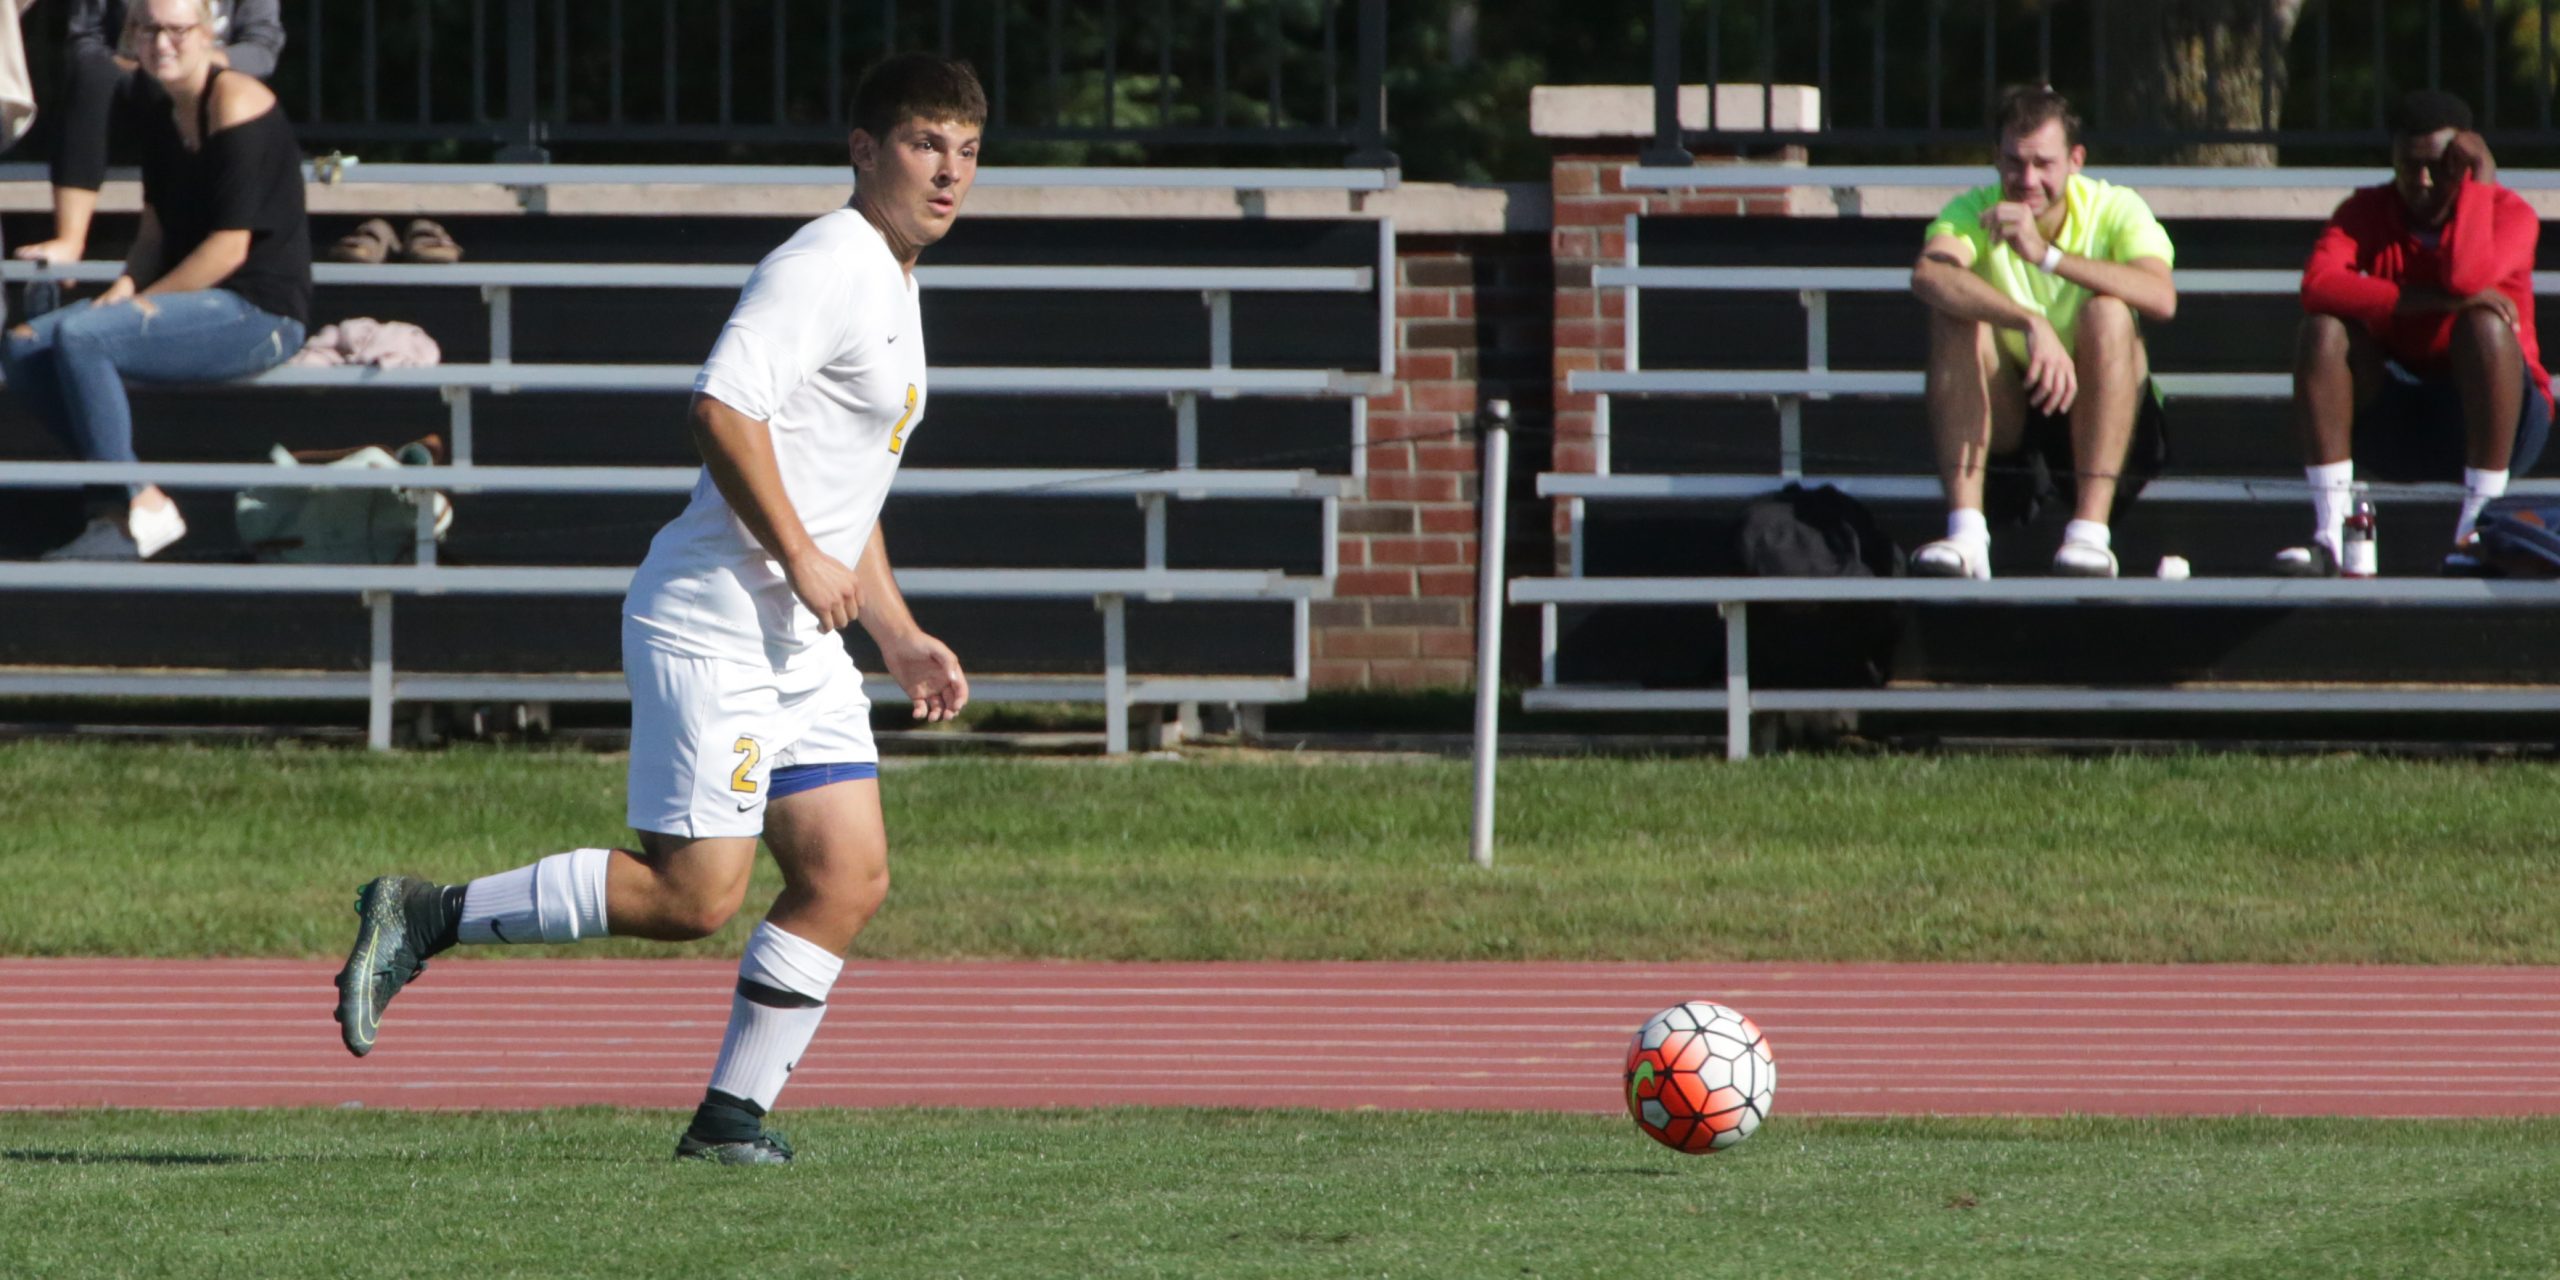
2479, 489
559, 899
2332, 492
2092, 532
783, 981
1966, 525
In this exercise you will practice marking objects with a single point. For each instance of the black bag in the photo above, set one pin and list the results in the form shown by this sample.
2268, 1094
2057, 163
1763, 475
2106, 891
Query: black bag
1818, 533
1814, 533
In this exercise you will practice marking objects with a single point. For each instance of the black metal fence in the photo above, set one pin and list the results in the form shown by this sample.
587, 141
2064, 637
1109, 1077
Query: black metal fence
533, 77
1898, 75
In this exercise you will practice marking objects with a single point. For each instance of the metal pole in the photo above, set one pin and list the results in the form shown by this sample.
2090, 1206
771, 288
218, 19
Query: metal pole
1667, 147
1369, 83
378, 686
1115, 674
1737, 680
1493, 500
523, 133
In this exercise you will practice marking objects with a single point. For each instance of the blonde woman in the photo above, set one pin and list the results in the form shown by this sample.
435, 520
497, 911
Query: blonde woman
218, 285
99, 75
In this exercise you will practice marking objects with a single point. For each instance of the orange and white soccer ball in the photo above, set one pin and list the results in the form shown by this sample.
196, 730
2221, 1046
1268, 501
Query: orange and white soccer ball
1699, 1077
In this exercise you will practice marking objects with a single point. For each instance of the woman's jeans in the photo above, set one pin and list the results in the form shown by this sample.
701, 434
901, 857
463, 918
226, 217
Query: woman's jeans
69, 365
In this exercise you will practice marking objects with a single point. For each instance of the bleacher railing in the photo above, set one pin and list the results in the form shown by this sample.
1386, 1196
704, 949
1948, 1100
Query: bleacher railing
529, 75
1790, 389
384, 684
1893, 76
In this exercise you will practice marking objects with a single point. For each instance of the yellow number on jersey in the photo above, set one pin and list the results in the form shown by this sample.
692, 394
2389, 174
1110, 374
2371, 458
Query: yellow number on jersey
738, 779
898, 433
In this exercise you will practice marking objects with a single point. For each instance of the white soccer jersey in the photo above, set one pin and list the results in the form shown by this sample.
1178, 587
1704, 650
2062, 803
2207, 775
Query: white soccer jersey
826, 346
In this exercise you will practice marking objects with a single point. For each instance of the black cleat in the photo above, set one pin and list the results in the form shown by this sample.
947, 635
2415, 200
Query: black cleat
767, 1148
387, 956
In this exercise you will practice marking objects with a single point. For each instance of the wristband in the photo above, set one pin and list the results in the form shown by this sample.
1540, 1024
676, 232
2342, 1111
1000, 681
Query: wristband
2052, 258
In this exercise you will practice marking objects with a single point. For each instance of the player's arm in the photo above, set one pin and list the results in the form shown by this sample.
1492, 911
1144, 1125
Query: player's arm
923, 666
2330, 280
2143, 284
2490, 241
1944, 279
738, 452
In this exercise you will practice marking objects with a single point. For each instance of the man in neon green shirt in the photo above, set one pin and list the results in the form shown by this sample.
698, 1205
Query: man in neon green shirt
2037, 371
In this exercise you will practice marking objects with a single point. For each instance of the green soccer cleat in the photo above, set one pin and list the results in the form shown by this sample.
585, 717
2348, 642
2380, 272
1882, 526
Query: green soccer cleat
768, 1149
385, 959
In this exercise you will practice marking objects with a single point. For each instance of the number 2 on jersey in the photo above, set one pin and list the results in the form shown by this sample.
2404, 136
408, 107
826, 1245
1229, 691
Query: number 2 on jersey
898, 433
749, 753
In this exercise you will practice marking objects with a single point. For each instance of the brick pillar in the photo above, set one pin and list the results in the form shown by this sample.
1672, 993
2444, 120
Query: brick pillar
1471, 325
1591, 209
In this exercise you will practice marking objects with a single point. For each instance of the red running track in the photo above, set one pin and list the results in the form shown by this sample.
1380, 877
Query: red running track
1850, 1039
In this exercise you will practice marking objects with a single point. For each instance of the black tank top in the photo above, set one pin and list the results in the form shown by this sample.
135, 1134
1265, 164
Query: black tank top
245, 178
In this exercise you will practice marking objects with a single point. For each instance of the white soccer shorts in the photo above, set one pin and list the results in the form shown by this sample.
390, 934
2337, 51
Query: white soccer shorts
707, 734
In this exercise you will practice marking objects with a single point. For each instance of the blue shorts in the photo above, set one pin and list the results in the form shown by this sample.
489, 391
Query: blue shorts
792, 779
2413, 430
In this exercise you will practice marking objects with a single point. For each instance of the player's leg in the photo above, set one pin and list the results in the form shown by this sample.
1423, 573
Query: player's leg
2115, 373
2337, 369
1977, 408
2488, 370
824, 826
696, 792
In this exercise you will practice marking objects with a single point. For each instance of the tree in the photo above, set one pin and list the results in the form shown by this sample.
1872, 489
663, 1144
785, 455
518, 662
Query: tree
2201, 65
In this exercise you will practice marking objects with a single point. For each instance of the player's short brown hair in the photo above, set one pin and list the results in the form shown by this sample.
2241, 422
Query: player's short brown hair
906, 86
2028, 107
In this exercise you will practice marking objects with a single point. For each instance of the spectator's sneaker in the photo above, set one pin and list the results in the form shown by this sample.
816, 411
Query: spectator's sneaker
388, 955
104, 539
2314, 560
152, 529
768, 1148
2084, 560
1948, 558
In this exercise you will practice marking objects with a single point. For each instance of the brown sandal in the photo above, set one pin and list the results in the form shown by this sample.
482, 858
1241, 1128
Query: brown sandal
371, 242
427, 242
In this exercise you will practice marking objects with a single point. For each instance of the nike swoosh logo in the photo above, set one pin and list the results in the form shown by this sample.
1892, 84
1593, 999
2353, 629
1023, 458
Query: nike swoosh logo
893, 338
501, 933
745, 805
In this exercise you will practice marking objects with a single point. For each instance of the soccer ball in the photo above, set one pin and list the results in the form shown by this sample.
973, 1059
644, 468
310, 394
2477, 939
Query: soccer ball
1699, 1077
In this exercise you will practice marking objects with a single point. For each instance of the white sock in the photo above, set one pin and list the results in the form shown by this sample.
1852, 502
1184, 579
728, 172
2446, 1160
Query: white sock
559, 899
1966, 525
2332, 491
783, 981
2092, 532
2479, 489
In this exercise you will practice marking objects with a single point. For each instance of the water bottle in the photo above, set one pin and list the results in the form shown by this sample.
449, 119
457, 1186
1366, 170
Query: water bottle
2361, 556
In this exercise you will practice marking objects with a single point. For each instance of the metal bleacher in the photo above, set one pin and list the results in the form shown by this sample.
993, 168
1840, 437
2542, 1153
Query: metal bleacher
1791, 390
383, 683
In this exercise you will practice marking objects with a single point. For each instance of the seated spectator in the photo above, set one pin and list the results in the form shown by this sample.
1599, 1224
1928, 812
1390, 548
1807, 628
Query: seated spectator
2036, 365
2418, 354
219, 282
98, 73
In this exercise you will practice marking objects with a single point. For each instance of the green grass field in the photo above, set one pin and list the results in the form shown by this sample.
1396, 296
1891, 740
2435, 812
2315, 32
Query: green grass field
1149, 1193
187, 851
183, 851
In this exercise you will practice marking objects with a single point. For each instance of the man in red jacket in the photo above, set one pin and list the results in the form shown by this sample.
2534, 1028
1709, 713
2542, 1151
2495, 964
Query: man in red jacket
2417, 355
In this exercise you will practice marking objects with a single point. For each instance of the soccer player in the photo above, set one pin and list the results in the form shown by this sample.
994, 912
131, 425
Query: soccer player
2418, 353
747, 716
2037, 370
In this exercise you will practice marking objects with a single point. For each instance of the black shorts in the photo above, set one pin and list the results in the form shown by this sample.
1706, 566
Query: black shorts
2041, 474
2413, 430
